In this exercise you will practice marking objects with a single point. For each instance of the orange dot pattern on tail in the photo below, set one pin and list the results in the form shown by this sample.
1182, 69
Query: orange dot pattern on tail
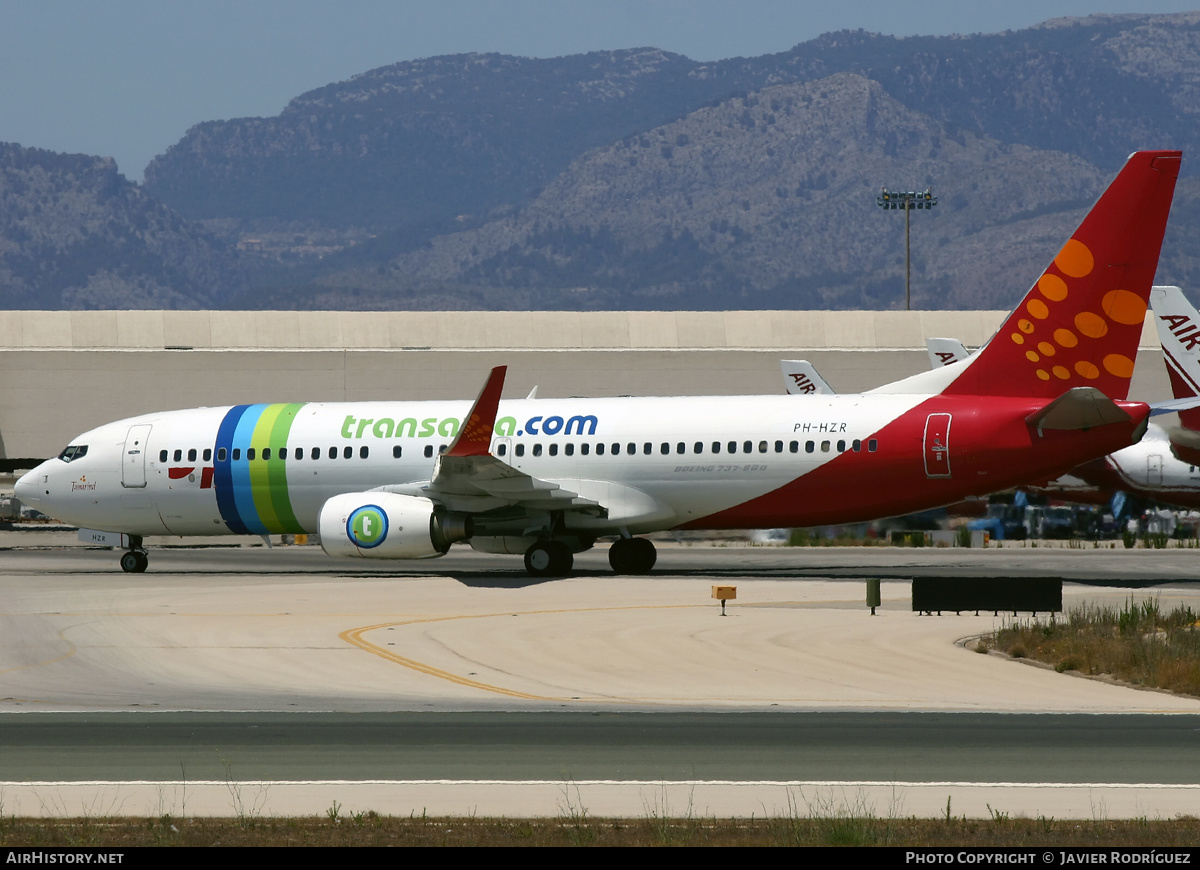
1066, 338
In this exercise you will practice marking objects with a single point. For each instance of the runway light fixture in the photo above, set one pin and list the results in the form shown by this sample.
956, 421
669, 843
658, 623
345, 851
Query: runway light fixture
906, 200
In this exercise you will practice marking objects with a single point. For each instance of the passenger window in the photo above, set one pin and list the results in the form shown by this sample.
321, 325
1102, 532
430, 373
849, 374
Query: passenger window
732, 445
584, 448
249, 453
856, 445
698, 447
841, 446
553, 449
282, 453
299, 452
347, 452
616, 448
681, 447
569, 449
778, 446
333, 453
316, 453
600, 449
178, 455
221, 454
794, 447
398, 451
809, 447
207, 454
520, 449
631, 448
872, 445
824, 446
162, 455
762, 446
364, 452
664, 448
716, 447
266, 453
647, 448
429, 451
537, 449
747, 447
501, 450
192, 455
237, 454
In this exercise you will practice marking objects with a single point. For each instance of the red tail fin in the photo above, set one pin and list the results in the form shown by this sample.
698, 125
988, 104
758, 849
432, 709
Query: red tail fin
1081, 322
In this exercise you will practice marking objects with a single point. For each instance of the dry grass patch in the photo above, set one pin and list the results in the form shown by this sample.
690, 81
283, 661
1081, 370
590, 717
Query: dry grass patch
1136, 643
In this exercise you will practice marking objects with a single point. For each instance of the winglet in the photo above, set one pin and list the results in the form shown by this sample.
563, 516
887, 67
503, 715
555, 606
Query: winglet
475, 437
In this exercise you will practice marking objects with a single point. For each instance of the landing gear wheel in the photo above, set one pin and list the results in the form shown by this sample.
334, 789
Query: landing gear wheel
134, 562
549, 559
632, 556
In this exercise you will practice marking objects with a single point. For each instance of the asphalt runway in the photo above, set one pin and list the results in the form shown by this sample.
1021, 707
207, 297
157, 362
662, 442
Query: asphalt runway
240, 680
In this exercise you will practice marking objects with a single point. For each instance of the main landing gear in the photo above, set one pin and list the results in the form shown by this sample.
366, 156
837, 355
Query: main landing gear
632, 556
549, 559
552, 558
134, 560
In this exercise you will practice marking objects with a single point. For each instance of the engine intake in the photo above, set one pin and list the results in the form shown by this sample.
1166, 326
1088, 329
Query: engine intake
386, 525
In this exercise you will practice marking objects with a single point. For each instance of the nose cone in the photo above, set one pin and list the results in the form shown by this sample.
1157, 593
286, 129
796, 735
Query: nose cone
27, 488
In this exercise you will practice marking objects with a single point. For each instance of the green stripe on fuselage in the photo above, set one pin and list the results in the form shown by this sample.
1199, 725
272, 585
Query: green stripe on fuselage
268, 478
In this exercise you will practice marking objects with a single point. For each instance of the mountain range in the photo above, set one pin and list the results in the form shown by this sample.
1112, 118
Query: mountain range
630, 179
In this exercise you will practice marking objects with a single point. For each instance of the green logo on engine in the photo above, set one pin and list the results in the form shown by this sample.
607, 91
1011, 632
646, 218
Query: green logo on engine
367, 526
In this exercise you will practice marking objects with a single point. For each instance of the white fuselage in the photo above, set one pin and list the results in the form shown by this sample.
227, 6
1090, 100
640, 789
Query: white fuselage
651, 463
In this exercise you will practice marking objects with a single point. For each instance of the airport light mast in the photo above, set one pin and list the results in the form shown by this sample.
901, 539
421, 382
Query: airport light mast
907, 200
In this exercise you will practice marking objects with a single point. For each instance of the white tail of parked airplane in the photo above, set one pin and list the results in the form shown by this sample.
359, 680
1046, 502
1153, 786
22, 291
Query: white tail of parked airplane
800, 378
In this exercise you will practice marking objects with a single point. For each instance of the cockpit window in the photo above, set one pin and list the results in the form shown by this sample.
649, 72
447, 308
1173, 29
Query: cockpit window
75, 451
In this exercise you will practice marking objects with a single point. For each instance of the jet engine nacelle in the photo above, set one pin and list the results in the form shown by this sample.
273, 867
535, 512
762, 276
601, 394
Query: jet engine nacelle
386, 525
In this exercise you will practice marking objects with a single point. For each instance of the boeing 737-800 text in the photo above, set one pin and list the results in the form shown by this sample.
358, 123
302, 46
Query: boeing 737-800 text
547, 477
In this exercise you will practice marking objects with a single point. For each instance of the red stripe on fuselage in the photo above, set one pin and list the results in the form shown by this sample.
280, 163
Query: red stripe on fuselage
992, 448
180, 473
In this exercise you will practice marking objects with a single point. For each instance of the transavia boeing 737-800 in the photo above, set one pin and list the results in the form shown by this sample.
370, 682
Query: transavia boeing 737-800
546, 477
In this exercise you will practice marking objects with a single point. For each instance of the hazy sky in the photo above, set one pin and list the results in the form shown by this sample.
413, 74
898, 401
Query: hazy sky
127, 78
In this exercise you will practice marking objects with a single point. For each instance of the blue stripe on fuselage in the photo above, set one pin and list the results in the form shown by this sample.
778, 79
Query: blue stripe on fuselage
229, 477
243, 495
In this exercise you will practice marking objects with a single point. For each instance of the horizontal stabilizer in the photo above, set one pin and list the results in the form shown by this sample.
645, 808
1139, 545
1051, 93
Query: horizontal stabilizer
1078, 408
1174, 406
1185, 445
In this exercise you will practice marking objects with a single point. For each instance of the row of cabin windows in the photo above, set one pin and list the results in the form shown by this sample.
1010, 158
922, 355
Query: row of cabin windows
346, 452
631, 449
681, 447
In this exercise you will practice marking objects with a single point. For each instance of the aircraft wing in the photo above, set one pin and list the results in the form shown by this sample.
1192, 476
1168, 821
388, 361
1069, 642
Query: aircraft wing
478, 483
468, 478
